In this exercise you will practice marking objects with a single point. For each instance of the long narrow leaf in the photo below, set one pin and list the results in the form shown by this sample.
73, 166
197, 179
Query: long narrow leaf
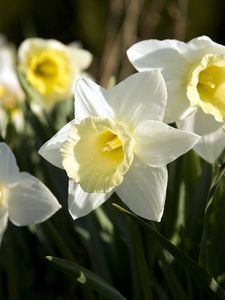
203, 257
86, 277
202, 278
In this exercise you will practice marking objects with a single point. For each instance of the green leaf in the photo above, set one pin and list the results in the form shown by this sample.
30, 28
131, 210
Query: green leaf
92, 238
141, 265
86, 277
199, 274
203, 257
172, 279
197, 204
30, 92
220, 173
58, 240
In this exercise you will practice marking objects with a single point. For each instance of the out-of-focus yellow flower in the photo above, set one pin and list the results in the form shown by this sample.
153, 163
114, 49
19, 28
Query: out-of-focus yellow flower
11, 93
51, 68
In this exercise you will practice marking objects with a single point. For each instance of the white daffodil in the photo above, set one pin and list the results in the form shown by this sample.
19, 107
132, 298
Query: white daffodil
195, 78
118, 143
51, 68
24, 199
11, 93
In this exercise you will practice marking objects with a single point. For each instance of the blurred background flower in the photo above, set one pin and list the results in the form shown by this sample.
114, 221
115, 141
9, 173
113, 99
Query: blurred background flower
51, 68
24, 199
11, 93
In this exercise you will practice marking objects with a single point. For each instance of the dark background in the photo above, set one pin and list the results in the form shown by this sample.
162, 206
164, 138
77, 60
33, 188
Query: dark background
107, 28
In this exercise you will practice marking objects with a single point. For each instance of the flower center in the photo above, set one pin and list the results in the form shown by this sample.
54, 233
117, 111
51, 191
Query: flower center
113, 144
97, 154
49, 71
206, 79
206, 85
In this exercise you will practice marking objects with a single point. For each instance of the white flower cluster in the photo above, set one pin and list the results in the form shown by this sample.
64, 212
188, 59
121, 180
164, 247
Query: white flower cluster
119, 140
50, 70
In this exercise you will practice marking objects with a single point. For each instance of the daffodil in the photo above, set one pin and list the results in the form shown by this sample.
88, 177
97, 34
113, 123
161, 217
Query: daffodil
118, 143
11, 93
23, 198
51, 68
195, 78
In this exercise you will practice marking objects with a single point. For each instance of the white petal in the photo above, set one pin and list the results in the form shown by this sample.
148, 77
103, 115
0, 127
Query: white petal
200, 123
30, 201
3, 221
178, 106
144, 190
8, 76
140, 97
80, 57
9, 171
90, 100
201, 42
82, 203
7, 63
18, 120
203, 45
3, 122
166, 55
169, 56
34, 44
211, 146
51, 149
212, 143
157, 144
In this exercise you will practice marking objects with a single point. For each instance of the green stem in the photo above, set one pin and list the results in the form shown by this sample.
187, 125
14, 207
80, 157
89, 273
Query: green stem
59, 242
145, 280
203, 255
11, 268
